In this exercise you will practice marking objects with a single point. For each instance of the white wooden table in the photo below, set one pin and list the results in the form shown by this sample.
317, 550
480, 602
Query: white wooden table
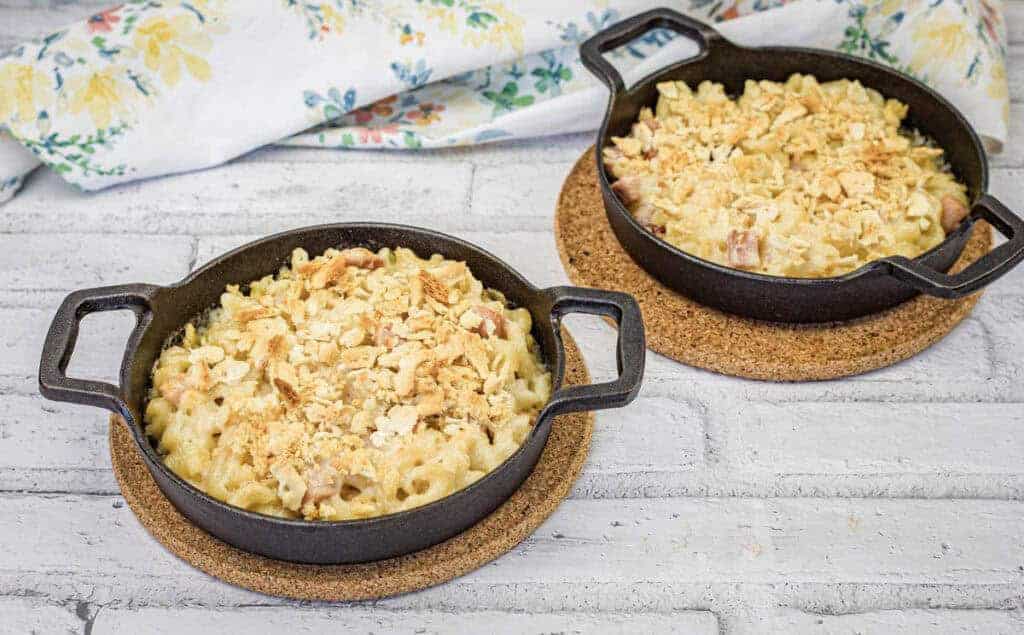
889, 502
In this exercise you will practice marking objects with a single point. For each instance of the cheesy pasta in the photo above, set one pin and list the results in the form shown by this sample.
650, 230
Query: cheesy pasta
351, 385
791, 179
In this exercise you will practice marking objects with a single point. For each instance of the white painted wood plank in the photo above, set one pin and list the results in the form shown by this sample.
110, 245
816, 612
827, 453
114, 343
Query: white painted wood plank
49, 446
370, 620
622, 442
878, 438
526, 189
1013, 13
963, 366
34, 616
898, 540
1012, 155
21, 23
1003, 318
242, 198
1005, 185
1015, 73
72, 261
660, 540
903, 622
97, 355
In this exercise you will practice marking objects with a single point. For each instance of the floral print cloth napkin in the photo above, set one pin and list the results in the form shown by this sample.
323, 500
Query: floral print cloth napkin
158, 87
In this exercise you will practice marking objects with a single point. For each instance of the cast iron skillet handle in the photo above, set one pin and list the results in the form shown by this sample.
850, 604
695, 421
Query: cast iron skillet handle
631, 348
980, 272
60, 344
591, 51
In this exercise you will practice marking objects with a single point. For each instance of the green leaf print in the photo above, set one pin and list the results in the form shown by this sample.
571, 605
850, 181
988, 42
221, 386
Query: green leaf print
858, 39
508, 99
411, 140
66, 155
481, 19
101, 47
548, 78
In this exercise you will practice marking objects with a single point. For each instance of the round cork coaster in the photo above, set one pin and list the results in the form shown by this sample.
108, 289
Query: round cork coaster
694, 334
542, 492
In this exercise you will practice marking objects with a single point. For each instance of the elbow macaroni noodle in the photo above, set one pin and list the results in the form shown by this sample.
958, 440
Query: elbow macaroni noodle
352, 385
791, 179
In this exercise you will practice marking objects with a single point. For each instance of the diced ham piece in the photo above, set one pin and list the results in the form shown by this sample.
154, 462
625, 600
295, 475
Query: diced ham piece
362, 258
322, 482
328, 273
652, 123
628, 189
742, 249
173, 389
953, 211
645, 216
496, 320
385, 337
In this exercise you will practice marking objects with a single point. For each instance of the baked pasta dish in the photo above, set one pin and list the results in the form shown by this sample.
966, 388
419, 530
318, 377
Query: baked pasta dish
352, 385
800, 179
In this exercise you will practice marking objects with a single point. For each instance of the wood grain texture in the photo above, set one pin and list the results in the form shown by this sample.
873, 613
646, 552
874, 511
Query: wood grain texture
888, 502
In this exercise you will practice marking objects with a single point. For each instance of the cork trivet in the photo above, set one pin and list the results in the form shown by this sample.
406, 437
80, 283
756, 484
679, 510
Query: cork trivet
693, 334
542, 492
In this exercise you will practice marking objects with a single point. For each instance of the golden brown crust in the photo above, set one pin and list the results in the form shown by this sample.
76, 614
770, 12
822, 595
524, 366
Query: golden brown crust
357, 385
433, 287
793, 179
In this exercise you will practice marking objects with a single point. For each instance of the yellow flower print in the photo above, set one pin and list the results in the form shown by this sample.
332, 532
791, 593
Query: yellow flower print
408, 36
102, 94
940, 43
447, 19
333, 20
426, 114
481, 23
508, 29
998, 88
211, 9
23, 91
888, 7
167, 44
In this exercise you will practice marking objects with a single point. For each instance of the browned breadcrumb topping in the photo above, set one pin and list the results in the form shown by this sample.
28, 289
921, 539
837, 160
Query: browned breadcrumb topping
351, 385
794, 179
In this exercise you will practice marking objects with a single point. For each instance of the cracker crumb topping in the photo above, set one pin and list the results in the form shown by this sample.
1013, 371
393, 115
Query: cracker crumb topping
349, 385
801, 178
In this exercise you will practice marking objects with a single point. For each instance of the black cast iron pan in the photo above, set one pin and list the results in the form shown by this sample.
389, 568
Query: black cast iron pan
162, 311
877, 285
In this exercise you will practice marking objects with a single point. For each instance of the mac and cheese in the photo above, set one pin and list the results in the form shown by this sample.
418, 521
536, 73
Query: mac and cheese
351, 385
797, 179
